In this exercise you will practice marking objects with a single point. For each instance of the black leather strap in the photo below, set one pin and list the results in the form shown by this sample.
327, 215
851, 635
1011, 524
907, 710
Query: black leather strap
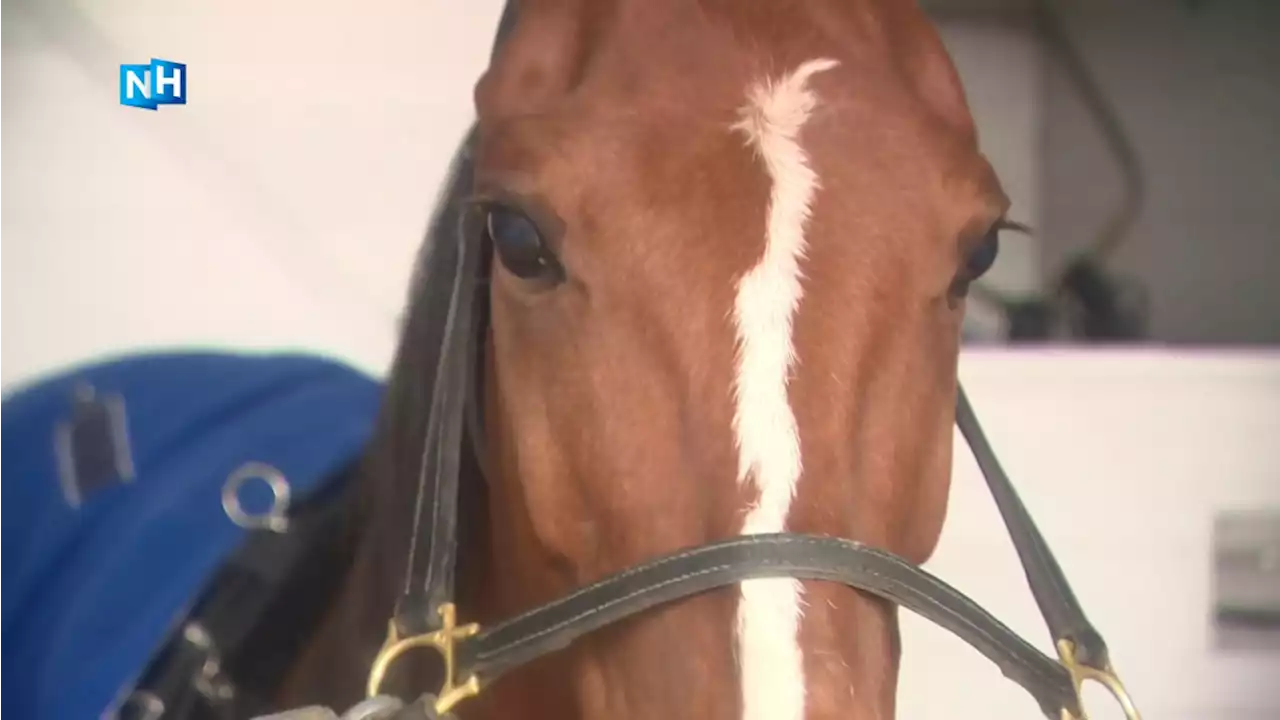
1058, 604
430, 566
429, 577
554, 626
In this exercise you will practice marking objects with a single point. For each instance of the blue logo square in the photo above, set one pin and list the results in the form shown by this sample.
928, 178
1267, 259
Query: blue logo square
150, 85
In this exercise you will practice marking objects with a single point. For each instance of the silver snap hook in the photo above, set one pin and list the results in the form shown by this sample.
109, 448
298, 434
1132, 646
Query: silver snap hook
275, 518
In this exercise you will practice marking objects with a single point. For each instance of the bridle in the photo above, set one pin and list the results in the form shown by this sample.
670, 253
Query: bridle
474, 657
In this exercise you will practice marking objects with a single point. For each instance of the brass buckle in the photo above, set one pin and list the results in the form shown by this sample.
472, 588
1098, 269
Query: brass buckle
1104, 676
444, 641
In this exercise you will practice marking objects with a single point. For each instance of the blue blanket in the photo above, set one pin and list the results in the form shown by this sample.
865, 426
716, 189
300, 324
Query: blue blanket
95, 578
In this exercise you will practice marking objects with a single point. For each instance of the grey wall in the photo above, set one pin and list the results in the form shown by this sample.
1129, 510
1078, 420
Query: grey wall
1000, 66
1197, 84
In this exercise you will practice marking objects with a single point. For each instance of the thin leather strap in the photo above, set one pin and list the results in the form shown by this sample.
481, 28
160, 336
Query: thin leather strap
430, 568
430, 574
1058, 604
554, 626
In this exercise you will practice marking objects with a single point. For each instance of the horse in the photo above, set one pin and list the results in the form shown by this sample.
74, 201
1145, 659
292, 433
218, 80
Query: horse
669, 428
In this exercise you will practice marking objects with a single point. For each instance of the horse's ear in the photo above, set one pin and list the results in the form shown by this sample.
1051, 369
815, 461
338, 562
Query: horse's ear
536, 63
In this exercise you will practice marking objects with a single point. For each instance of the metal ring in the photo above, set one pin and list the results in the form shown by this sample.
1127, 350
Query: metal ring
275, 518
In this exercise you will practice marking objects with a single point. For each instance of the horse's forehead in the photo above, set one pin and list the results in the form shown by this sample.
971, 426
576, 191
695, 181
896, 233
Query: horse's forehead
699, 53
665, 85
614, 132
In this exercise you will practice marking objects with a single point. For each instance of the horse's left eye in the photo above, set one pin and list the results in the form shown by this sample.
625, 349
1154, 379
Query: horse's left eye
977, 262
983, 257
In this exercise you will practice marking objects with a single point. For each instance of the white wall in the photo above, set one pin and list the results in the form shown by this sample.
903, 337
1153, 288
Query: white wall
282, 207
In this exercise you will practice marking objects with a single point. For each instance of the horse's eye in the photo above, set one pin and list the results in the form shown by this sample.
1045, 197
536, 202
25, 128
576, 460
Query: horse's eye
983, 257
978, 262
520, 244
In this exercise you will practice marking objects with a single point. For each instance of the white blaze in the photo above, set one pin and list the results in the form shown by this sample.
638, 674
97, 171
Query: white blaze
769, 654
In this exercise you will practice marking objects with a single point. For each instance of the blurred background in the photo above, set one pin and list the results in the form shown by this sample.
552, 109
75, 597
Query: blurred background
1123, 354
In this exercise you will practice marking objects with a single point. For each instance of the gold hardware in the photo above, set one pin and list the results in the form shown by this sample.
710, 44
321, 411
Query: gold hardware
1104, 676
444, 641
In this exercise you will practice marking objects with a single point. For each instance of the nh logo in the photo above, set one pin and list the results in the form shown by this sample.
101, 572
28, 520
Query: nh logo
149, 86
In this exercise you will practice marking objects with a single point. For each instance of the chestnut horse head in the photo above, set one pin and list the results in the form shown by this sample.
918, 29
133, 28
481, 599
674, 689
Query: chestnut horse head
731, 247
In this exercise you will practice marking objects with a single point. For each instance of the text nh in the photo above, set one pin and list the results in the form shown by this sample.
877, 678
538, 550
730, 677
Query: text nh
148, 86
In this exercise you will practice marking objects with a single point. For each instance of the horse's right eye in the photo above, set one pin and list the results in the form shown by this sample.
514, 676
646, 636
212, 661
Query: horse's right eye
520, 244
